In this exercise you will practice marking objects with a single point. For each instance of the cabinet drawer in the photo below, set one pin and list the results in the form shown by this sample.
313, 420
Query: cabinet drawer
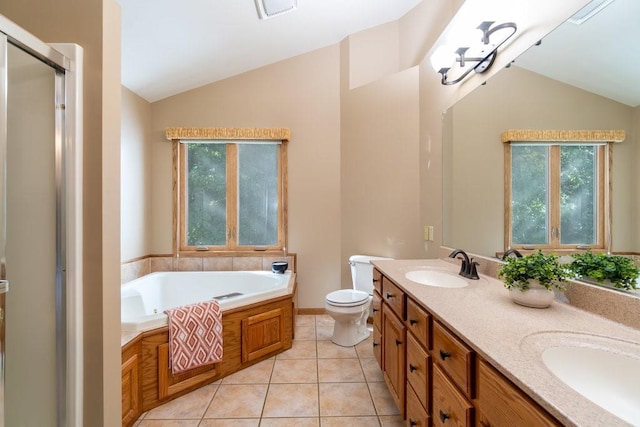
454, 357
450, 407
376, 310
377, 345
377, 280
418, 370
501, 403
394, 296
416, 415
418, 322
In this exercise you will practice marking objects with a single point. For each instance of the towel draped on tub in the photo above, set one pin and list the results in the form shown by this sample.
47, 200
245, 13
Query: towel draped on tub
195, 335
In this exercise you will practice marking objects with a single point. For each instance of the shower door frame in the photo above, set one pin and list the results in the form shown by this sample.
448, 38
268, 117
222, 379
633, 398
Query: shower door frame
66, 60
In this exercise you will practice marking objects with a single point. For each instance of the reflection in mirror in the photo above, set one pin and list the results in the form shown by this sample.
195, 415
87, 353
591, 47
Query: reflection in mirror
517, 97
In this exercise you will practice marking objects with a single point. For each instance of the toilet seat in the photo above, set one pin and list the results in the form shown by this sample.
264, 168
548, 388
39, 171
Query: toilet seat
347, 298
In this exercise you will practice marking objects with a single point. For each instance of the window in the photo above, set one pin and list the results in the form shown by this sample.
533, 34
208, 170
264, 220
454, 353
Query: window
557, 192
230, 194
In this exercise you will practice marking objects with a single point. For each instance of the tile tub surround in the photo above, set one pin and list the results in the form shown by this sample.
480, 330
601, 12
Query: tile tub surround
266, 394
483, 315
139, 267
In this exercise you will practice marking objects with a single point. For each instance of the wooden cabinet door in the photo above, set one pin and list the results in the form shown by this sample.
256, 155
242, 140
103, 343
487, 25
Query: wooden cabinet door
377, 346
131, 391
417, 416
394, 335
449, 407
500, 403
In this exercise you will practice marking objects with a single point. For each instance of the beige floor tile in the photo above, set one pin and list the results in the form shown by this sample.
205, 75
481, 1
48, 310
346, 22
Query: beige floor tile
260, 373
295, 371
340, 371
290, 422
349, 421
300, 350
291, 400
169, 423
382, 400
228, 422
324, 320
372, 371
329, 350
365, 349
305, 333
237, 401
305, 320
189, 406
345, 399
324, 332
391, 421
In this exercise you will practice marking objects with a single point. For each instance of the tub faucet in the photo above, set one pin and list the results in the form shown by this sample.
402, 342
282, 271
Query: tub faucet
511, 252
468, 268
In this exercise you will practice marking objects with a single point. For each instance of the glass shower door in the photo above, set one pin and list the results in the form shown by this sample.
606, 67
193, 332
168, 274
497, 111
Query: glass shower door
32, 243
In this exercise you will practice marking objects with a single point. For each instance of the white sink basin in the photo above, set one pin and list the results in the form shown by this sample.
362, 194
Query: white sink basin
436, 278
609, 379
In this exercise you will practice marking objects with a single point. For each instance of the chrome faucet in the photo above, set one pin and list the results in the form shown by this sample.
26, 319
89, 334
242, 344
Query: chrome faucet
511, 252
468, 268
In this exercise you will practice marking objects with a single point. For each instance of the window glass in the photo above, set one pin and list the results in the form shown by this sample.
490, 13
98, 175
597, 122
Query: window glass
578, 194
529, 194
257, 194
206, 195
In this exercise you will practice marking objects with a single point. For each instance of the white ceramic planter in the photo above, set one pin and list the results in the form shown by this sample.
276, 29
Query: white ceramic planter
537, 296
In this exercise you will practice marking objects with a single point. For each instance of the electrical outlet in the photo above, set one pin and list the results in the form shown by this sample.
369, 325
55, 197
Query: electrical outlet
428, 233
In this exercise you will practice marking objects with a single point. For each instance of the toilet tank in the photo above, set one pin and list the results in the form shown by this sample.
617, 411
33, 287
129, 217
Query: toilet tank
362, 272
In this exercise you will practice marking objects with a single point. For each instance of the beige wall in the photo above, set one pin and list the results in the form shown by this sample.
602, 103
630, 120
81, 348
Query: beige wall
373, 54
136, 176
519, 99
635, 183
302, 94
90, 23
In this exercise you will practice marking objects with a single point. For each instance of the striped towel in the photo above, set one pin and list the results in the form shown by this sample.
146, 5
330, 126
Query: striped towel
195, 335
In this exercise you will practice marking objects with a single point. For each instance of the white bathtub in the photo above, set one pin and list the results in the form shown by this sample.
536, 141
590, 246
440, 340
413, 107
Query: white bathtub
145, 299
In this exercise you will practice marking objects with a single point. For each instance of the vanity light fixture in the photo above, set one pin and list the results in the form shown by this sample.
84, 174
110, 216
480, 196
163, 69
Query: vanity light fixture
270, 8
455, 63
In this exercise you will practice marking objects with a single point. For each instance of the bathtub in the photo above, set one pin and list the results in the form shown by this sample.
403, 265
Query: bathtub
144, 300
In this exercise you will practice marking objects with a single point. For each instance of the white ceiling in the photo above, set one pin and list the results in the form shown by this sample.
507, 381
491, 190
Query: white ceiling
170, 46
602, 55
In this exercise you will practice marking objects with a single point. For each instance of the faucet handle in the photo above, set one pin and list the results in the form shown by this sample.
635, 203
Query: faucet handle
472, 272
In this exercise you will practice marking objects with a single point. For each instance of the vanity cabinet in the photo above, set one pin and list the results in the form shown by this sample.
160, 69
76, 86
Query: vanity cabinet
434, 376
500, 403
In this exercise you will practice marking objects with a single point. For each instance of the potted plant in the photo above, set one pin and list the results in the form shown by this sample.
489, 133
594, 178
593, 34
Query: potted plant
614, 270
532, 278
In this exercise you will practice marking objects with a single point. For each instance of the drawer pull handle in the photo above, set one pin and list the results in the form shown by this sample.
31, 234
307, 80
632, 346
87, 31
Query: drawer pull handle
412, 368
398, 342
444, 355
375, 344
412, 423
412, 322
375, 310
389, 296
376, 280
444, 417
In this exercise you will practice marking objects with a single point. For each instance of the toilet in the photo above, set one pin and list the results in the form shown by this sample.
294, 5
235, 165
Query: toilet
350, 307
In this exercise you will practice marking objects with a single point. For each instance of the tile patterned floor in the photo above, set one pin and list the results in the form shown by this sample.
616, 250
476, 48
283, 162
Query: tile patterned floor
315, 383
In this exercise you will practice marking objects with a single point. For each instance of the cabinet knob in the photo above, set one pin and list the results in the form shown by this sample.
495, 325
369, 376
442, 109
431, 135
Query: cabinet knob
375, 344
412, 368
398, 342
444, 416
375, 280
375, 310
412, 423
444, 355
389, 296
412, 322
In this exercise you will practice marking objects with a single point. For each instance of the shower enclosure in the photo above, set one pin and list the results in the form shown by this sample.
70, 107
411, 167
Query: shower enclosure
40, 331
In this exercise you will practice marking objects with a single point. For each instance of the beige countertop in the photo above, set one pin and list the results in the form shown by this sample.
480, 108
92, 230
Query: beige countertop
512, 337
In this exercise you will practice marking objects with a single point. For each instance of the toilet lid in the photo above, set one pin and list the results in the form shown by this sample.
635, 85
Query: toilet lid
347, 297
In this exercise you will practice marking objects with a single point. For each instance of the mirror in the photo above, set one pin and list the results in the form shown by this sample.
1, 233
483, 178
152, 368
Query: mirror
561, 84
